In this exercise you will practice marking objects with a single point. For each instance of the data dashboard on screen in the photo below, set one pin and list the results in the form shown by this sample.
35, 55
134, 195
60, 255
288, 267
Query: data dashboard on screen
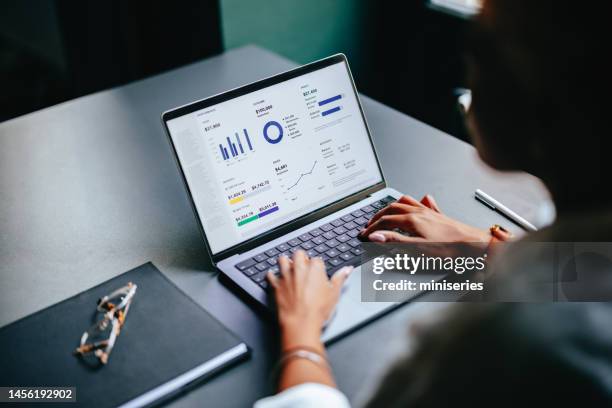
265, 158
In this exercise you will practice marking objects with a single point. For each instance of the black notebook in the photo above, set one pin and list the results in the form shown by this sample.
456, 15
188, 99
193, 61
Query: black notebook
167, 342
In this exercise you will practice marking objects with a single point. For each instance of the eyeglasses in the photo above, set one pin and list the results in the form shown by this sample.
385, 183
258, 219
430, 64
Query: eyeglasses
104, 333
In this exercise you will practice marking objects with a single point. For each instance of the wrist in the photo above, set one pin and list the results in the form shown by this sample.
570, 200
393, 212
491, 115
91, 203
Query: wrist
295, 334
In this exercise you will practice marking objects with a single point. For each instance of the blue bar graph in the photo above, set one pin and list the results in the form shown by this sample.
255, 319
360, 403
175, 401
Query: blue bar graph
330, 111
246, 135
233, 147
329, 100
239, 144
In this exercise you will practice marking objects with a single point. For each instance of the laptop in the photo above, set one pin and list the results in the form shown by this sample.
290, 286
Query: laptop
282, 164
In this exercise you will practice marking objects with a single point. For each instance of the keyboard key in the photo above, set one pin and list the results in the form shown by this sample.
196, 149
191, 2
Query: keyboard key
347, 218
246, 264
343, 238
262, 266
250, 271
357, 251
335, 261
378, 205
275, 270
294, 242
332, 243
321, 248
261, 276
343, 247
350, 225
340, 230
360, 221
347, 256
368, 209
318, 240
312, 253
353, 233
294, 250
332, 253
264, 284
260, 257
354, 243
307, 245
273, 261
327, 227
329, 235
337, 223
388, 200
316, 232
305, 237
357, 213
324, 257
283, 247
272, 252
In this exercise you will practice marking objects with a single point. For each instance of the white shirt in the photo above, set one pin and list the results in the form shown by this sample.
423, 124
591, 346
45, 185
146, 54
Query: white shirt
308, 395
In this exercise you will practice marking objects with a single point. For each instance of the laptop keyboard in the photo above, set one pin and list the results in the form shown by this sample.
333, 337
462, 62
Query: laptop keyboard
335, 242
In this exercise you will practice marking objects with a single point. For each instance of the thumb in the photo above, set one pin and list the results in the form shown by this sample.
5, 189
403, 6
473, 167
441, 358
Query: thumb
341, 275
392, 236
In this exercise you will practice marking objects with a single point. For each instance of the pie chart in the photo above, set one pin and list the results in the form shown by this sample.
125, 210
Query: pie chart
273, 132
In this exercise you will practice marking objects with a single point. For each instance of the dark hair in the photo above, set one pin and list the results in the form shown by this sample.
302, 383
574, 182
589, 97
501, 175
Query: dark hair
540, 75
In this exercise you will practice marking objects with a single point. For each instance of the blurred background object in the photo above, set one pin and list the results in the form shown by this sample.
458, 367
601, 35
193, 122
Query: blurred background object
407, 55
460, 8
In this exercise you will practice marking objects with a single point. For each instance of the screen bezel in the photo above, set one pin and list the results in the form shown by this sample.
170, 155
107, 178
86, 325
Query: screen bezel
303, 219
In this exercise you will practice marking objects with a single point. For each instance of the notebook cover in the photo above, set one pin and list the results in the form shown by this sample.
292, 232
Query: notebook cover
166, 337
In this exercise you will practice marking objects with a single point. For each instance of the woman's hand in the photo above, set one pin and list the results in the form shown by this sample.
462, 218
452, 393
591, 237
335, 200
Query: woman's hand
305, 298
423, 221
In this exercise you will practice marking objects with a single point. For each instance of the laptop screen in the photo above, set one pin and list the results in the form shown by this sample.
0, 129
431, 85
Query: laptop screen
265, 158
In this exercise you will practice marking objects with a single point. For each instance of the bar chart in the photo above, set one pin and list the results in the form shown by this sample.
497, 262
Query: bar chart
234, 146
328, 110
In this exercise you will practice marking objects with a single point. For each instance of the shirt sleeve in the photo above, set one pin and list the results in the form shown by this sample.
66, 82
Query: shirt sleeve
309, 395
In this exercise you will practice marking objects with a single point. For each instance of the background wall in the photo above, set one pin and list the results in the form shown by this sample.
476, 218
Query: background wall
401, 53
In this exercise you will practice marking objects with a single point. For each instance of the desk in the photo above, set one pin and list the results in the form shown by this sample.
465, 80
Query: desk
89, 189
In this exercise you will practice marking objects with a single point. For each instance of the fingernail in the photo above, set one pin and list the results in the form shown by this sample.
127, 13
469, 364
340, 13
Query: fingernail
362, 231
347, 270
376, 237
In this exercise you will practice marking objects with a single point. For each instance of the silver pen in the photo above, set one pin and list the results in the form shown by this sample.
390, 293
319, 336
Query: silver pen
505, 211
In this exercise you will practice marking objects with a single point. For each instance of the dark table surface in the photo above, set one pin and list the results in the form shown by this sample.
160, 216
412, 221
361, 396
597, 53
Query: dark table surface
89, 189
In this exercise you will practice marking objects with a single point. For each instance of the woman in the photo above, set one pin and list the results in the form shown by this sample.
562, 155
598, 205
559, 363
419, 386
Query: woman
536, 69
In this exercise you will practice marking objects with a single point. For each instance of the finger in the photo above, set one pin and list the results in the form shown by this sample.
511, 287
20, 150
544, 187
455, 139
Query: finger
272, 279
392, 236
338, 279
391, 209
300, 262
317, 265
406, 199
429, 202
390, 222
285, 267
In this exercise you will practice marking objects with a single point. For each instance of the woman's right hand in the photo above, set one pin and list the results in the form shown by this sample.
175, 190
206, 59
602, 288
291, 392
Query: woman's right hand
423, 221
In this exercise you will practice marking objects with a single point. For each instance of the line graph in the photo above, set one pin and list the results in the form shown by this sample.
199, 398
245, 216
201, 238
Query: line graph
302, 175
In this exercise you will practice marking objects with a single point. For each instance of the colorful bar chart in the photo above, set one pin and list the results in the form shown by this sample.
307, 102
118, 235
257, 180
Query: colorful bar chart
247, 195
235, 148
258, 216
